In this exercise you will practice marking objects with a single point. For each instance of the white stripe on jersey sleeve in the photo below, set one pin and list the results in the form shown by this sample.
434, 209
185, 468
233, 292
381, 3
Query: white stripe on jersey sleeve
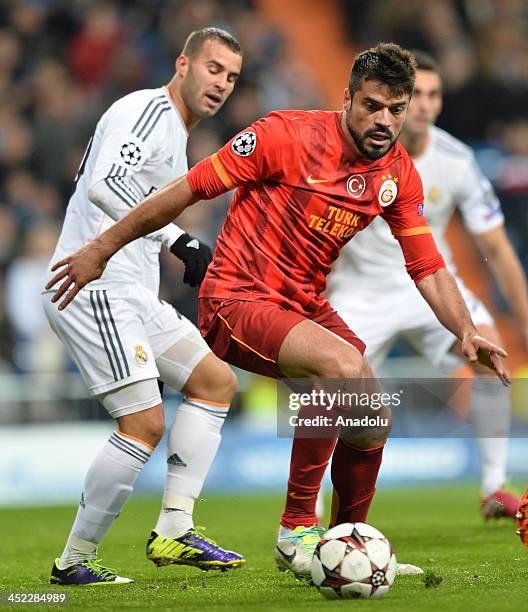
127, 150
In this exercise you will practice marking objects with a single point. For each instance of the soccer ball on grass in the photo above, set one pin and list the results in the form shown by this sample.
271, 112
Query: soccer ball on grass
353, 560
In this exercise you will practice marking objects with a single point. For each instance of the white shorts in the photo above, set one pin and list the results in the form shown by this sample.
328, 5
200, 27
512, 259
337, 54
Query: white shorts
121, 335
380, 318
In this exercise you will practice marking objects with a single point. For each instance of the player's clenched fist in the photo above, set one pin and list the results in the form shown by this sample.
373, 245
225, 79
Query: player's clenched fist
76, 271
195, 255
89, 262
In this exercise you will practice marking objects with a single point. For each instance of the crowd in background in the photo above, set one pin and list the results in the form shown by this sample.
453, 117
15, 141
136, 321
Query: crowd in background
482, 49
63, 62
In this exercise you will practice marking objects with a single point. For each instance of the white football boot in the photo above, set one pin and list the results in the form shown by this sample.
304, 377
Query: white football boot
294, 552
406, 569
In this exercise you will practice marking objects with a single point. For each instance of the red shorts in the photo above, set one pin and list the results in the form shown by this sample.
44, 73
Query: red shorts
249, 334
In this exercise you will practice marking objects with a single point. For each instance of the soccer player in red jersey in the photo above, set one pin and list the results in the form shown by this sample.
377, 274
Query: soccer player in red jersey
307, 182
521, 519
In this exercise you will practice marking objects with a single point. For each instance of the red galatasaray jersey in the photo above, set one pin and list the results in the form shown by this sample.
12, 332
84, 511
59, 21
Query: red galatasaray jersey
303, 192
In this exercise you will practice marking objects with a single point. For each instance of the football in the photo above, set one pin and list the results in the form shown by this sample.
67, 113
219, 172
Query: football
353, 560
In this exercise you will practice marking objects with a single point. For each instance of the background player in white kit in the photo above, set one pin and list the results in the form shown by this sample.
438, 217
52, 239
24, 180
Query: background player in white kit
123, 338
385, 303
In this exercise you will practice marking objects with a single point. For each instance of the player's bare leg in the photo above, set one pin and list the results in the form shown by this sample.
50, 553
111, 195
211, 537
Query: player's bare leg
356, 460
147, 425
490, 411
109, 483
192, 445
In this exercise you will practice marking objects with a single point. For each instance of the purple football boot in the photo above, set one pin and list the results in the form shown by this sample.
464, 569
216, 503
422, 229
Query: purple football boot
87, 573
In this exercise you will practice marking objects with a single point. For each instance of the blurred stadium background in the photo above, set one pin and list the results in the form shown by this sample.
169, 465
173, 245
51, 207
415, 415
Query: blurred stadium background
63, 62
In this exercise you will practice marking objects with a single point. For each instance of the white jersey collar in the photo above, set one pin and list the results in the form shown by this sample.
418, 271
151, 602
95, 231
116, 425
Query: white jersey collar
175, 108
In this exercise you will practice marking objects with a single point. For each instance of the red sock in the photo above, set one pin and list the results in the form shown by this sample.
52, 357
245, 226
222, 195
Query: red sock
309, 459
354, 474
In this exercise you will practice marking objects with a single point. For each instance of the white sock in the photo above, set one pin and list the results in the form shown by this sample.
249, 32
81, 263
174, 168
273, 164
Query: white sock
107, 487
284, 532
491, 414
493, 453
193, 442
320, 504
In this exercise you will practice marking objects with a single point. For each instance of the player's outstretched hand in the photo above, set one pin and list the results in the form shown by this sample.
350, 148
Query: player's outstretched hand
76, 271
195, 255
477, 348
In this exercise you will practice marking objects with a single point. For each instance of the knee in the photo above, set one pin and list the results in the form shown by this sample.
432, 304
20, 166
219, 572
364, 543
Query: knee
213, 381
351, 368
370, 440
226, 385
152, 429
373, 433
365, 443
147, 426
155, 429
346, 364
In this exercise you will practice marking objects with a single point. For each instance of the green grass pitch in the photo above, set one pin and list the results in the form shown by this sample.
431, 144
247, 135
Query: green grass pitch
483, 566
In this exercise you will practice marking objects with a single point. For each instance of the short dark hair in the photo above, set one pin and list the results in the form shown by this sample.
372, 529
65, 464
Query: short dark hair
196, 39
387, 63
424, 61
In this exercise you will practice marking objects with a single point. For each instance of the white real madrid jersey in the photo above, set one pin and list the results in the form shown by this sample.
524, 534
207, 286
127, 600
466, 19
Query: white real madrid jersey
139, 145
451, 179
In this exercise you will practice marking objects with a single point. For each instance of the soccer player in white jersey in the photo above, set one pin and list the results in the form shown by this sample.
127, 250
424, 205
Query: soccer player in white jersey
384, 303
124, 338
